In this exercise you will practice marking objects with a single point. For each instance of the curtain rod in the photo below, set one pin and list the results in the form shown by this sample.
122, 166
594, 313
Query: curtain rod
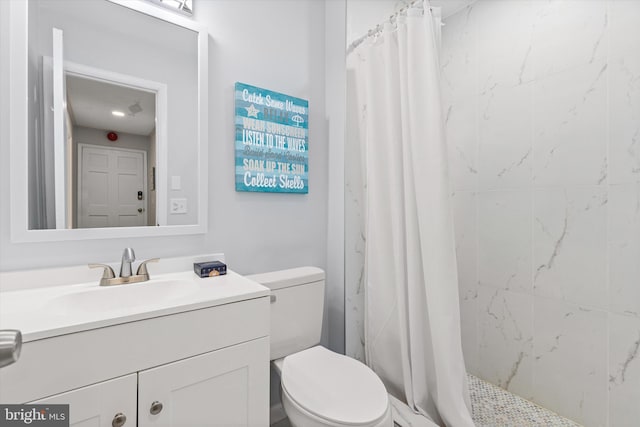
378, 28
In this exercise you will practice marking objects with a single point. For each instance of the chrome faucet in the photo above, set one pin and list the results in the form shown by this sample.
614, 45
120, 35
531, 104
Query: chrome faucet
126, 273
128, 256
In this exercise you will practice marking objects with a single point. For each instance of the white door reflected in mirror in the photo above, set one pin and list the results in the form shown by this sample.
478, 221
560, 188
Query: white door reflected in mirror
111, 185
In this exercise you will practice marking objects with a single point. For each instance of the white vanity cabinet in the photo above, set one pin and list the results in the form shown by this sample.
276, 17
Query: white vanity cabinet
206, 366
220, 388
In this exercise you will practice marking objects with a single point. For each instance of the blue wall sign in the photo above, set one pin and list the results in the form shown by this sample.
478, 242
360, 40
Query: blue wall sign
272, 141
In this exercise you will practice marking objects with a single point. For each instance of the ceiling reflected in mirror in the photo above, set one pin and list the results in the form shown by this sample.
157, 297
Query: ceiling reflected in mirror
104, 105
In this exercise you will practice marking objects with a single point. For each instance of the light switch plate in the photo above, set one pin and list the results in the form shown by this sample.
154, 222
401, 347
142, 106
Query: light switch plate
176, 183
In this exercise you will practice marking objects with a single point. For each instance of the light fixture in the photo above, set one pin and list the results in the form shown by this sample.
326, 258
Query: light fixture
182, 6
117, 113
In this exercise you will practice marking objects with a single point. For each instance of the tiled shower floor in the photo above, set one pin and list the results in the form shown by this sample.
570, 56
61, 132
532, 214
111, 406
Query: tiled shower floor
495, 407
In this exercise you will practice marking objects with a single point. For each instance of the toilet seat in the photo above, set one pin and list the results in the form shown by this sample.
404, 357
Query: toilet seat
299, 417
334, 388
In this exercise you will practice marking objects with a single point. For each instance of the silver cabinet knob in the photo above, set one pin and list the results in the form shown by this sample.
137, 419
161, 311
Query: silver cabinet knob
156, 408
119, 420
10, 346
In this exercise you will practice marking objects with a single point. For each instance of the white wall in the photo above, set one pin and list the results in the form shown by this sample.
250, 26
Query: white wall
364, 15
335, 57
274, 44
85, 135
543, 118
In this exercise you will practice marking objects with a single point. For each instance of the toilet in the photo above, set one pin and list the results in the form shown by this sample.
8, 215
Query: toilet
319, 388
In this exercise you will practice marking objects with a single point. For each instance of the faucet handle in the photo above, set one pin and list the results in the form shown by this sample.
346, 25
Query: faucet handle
106, 274
10, 346
142, 268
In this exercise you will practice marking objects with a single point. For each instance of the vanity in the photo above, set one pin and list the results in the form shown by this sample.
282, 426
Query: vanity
177, 350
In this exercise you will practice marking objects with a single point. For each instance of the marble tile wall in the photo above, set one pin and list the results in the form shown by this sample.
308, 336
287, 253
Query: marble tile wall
542, 100
354, 244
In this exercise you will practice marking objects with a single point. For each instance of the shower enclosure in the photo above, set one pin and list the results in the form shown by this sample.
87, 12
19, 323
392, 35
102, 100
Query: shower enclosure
541, 103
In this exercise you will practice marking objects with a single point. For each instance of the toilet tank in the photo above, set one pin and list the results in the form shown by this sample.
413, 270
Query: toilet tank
297, 301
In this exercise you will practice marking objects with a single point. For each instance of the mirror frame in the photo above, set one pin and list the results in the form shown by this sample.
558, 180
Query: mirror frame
19, 133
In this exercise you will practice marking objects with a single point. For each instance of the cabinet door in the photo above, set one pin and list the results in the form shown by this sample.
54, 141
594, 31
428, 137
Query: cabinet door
227, 387
97, 405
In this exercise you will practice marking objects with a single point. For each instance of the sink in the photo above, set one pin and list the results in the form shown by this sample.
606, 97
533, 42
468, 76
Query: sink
122, 297
52, 310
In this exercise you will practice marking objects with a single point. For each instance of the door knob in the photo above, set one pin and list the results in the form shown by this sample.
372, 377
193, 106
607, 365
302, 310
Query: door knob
156, 408
119, 420
140, 210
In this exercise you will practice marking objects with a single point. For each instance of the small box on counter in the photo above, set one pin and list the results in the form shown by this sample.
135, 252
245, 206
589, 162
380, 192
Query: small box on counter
210, 268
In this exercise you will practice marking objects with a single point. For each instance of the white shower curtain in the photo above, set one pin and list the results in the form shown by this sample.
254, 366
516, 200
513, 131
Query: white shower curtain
412, 325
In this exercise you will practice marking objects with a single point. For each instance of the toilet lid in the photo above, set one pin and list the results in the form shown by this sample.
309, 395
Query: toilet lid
334, 387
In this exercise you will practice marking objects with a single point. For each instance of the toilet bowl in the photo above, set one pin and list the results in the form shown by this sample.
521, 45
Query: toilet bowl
323, 388
319, 388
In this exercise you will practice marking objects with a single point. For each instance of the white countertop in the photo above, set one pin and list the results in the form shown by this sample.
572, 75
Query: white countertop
57, 310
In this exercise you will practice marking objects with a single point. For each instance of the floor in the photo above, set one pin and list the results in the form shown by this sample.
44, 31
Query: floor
495, 407
283, 423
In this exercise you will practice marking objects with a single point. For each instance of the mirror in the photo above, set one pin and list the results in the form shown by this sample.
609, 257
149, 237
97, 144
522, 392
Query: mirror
108, 120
